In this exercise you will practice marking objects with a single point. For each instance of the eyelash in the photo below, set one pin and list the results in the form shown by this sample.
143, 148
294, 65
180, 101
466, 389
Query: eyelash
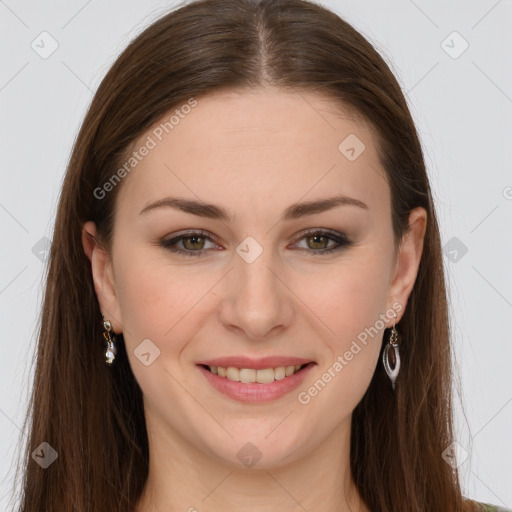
340, 238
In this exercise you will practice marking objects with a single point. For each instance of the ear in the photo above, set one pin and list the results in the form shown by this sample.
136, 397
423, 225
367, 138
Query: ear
408, 260
103, 276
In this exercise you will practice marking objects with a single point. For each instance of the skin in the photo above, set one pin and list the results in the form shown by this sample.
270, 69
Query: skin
254, 153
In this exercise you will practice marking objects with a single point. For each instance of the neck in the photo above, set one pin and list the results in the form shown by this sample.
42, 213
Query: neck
183, 478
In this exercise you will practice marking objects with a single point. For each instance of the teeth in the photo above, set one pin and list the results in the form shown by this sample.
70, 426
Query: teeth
263, 376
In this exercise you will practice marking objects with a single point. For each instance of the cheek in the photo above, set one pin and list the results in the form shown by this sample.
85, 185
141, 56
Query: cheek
351, 296
350, 353
351, 302
160, 301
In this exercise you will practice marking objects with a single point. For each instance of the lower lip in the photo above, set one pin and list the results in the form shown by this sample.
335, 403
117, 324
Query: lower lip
255, 392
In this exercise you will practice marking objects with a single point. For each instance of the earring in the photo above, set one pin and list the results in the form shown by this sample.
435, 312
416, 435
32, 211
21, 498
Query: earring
393, 343
111, 351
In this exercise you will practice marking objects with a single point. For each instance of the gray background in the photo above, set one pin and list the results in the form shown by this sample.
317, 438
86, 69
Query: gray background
461, 102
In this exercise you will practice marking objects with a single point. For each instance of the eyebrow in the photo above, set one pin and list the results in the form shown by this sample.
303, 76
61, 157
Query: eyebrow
211, 211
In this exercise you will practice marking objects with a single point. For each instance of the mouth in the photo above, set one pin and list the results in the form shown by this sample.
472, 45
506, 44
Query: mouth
255, 385
256, 376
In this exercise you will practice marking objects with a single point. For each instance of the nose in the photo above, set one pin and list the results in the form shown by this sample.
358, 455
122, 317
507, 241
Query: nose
258, 303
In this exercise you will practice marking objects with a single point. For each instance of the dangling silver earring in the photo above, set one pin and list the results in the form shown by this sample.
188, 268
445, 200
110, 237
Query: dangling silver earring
393, 343
111, 351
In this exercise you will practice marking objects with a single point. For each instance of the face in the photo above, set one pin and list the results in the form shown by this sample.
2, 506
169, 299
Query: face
313, 284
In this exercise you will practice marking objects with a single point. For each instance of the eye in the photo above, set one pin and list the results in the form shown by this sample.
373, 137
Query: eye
193, 243
317, 242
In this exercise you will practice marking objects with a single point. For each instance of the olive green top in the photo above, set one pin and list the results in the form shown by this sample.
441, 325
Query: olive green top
494, 508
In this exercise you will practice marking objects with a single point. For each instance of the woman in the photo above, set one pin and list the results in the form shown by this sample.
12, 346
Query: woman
300, 360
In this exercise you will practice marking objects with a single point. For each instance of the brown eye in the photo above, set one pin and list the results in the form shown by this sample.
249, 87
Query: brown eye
190, 244
317, 241
193, 242
320, 242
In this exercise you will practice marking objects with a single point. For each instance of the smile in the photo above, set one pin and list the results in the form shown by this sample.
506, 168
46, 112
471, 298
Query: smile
251, 385
262, 376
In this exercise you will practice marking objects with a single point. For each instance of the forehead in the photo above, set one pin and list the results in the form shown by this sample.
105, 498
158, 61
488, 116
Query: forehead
251, 146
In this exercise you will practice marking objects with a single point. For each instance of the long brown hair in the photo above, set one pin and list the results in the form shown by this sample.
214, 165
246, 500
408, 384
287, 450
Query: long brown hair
91, 414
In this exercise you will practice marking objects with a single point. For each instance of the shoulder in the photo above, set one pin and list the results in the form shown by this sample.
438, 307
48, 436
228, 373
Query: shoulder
493, 508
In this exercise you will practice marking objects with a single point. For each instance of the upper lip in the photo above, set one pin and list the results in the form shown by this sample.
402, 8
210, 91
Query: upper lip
256, 364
